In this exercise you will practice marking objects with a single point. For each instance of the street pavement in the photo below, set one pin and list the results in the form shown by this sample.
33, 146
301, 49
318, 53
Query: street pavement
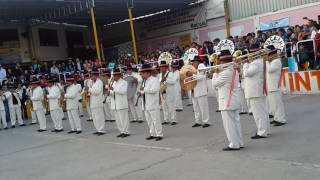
292, 152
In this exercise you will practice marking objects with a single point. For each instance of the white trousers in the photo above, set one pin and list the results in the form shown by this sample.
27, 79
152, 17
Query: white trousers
41, 117
243, 102
261, 115
154, 122
201, 109
98, 118
122, 120
109, 115
232, 127
15, 113
33, 117
276, 106
56, 117
74, 119
179, 105
80, 108
89, 111
189, 97
169, 109
135, 110
3, 119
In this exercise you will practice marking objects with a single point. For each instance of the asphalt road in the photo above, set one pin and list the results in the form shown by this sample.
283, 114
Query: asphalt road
291, 152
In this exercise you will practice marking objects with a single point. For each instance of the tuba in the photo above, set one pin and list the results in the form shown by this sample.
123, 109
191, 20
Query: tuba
166, 56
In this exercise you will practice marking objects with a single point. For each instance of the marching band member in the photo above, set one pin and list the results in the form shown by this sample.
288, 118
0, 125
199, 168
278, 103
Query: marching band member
109, 114
14, 104
167, 94
255, 93
200, 95
33, 114
39, 111
71, 97
3, 120
96, 103
176, 74
119, 103
77, 76
89, 84
274, 93
149, 91
53, 96
226, 82
132, 96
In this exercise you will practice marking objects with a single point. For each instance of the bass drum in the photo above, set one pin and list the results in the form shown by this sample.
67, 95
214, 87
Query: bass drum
132, 86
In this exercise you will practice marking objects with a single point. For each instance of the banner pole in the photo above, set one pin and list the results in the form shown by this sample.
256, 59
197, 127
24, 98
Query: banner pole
95, 34
133, 36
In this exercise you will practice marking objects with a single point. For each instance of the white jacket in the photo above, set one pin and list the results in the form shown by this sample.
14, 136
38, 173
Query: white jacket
176, 75
79, 91
222, 82
53, 97
9, 97
2, 98
96, 94
118, 95
37, 98
201, 88
253, 82
273, 75
71, 97
171, 88
151, 92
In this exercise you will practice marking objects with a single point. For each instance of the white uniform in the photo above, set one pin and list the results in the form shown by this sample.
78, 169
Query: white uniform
168, 99
276, 106
96, 105
151, 107
200, 98
178, 96
119, 104
89, 84
33, 114
54, 107
61, 88
39, 112
136, 111
71, 98
79, 99
229, 105
254, 92
14, 107
3, 119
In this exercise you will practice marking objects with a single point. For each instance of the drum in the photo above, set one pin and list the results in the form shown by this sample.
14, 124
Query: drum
132, 86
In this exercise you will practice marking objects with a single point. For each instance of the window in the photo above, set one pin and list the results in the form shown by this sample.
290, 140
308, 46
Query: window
9, 38
48, 37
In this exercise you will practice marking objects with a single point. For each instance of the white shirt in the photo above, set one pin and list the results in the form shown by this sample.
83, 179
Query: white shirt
3, 73
53, 96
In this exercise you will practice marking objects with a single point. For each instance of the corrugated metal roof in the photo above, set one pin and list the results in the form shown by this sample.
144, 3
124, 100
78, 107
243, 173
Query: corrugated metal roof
245, 8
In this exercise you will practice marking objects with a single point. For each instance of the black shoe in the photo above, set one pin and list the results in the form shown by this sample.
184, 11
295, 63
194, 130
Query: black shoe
179, 110
270, 116
5, 128
273, 122
21, 125
218, 110
64, 119
134, 121
278, 124
78, 132
89, 120
125, 135
59, 130
55, 130
71, 132
230, 149
95, 133
13, 126
150, 137
81, 115
258, 137
189, 104
158, 138
165, 123
112, 120
140, 121
196, 125
41, 130
206, 125
173, 123
120, 135
241, 113
251, 114
100, 133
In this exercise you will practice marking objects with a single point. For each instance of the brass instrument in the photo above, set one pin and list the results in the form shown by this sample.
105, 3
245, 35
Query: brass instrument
139, 96
187, 86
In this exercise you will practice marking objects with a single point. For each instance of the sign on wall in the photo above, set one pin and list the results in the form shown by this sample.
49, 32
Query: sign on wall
274, 24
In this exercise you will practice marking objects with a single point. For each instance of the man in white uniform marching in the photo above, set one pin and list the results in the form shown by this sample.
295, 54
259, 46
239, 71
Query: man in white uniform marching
54, 107
149, 92
176, 74
71, 98
200, 95
256, 92
119, 103
3, 119
274, 94
14, 104
168, 96
226, 81
96, 103
37, 98
108, 113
